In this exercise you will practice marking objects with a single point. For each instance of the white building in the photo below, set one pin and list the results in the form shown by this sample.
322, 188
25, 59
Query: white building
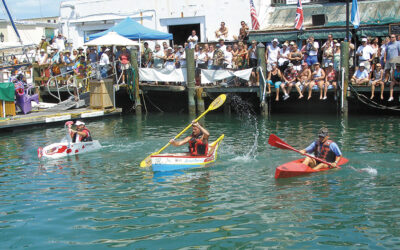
81, 18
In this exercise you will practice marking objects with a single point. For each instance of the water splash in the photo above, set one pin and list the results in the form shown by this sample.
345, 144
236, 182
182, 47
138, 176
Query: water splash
246, 114
369, 170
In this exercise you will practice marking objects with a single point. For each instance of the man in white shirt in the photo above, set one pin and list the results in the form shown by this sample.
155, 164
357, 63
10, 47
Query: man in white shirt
222, 45
192, 40
104, 63
312, 51
365, 54
272, 53
228, 57
60, 42
181, 57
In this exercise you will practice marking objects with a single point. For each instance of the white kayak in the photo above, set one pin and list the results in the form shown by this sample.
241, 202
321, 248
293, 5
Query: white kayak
63, 148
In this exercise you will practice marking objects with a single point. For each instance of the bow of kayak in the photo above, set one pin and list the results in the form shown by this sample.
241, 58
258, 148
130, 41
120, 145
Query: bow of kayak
296, 168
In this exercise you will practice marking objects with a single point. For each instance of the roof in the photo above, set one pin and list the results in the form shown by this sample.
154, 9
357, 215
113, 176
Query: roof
375, 12
133, 30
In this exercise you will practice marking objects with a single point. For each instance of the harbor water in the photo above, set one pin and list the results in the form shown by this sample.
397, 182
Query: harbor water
104, 199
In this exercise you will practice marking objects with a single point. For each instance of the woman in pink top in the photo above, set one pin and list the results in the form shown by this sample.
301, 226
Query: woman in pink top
124, 59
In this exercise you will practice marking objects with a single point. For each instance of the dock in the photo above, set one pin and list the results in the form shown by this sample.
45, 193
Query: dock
49, 117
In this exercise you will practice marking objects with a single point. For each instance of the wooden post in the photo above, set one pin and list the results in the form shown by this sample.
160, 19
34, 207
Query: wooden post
191, 69
35, 74
134, 63
200, 100
344, 65
263, 84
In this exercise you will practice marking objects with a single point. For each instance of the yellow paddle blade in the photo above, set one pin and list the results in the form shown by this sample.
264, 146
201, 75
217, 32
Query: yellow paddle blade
146, 162
217, 102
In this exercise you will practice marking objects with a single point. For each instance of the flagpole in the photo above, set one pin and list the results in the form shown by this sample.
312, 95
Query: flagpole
347, 21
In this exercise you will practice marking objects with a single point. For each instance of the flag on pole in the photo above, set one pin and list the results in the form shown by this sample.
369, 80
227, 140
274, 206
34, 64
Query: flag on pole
254, 21
298, 22
355, 15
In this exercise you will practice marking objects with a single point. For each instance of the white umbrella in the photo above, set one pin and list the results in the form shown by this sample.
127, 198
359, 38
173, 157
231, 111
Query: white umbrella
112, 38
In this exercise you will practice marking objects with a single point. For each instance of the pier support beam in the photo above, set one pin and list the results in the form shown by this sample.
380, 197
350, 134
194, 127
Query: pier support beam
191, 81
200, 100
262, 78
138, 105
344, 66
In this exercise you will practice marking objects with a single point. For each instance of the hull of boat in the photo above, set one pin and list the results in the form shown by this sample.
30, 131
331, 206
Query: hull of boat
297, 168
178, 161
63, 149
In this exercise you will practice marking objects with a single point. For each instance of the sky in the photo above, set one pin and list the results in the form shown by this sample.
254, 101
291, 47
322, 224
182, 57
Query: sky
22, 9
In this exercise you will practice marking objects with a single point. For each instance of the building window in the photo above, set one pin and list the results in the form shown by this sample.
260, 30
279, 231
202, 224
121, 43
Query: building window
49, 21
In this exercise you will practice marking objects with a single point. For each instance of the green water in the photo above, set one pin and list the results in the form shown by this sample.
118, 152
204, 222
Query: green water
103, 199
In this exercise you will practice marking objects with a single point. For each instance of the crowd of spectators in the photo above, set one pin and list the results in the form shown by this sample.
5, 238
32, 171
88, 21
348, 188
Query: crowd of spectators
304, 65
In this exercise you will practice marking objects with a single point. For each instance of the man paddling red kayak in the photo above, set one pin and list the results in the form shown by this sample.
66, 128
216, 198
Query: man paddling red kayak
324, 149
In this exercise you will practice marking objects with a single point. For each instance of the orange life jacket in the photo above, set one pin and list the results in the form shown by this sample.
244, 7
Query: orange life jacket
324, 152
197, 147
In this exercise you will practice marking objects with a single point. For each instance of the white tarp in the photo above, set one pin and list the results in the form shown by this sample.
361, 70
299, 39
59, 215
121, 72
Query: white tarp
162, 75
112, 38
210, 76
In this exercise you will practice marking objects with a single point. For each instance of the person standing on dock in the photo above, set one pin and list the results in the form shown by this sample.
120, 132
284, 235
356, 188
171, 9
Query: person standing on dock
198, 140
324, 149
392, 50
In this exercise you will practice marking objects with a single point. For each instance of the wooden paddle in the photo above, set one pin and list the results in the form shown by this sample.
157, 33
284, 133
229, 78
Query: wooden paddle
214, 105
275, 141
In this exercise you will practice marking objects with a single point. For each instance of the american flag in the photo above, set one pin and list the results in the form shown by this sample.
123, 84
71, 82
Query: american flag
298, 23
254, 21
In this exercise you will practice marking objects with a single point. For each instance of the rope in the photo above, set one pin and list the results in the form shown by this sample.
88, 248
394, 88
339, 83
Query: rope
364, 99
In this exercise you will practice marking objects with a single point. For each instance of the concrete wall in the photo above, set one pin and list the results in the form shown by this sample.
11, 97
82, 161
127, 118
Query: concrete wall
80, 17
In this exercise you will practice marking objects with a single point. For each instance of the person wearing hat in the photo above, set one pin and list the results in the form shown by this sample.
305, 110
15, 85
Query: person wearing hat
43, 43
395, 80
289, 77
330, 79
361, 76
283, 56
42, 58
323, 148
218, 57
158, 57
170, 59
377, 80
272, 53
80, 134
365, 53
317, 78
336, 56
180, 57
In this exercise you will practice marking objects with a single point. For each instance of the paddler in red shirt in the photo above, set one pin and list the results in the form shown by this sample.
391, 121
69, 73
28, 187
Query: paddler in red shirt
198, 140
324, 149
81, 134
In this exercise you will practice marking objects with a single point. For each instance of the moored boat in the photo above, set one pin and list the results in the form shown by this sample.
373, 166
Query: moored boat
296, 168
177, 161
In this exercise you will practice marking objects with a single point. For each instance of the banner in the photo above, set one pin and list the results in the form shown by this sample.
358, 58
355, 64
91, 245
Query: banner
210, 76
162, 75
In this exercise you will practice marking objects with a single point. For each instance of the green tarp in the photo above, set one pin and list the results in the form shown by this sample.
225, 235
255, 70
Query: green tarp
7, 91
373, 31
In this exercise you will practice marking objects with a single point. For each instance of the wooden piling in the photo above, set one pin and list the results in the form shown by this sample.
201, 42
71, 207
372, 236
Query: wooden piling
200, 101
344, 65
263, 86
191, 69
134, 63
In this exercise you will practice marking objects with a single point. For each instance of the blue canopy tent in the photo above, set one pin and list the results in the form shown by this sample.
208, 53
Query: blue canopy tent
135, 31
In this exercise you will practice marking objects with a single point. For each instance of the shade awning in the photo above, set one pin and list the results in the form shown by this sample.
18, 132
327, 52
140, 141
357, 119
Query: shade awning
111, 38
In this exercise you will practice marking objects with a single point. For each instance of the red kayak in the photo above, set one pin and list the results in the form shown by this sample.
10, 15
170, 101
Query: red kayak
296, 168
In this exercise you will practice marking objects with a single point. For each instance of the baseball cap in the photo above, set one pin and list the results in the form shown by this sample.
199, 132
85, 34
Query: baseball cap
323, 132
275, 40
330, 64
285, 43
108, 49
43, 37
291, 43
78, 123
362, 65
169, 48
364, 39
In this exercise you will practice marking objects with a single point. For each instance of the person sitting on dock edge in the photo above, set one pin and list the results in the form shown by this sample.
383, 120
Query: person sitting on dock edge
198, 140
324, 149
81, 134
